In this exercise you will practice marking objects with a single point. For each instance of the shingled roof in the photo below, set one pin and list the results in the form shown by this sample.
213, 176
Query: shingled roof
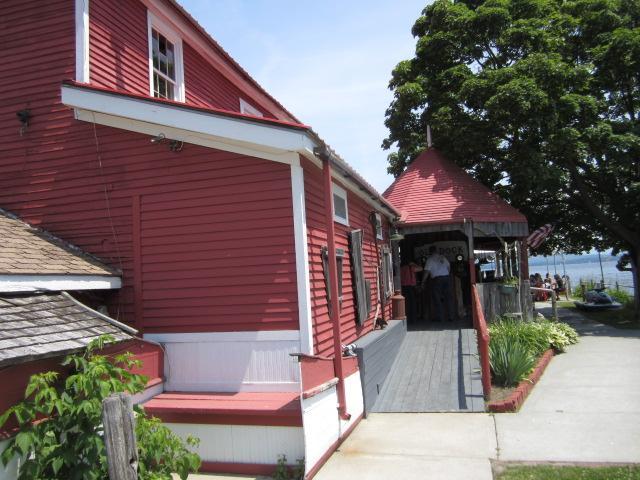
36, 326
26, 250
433, 190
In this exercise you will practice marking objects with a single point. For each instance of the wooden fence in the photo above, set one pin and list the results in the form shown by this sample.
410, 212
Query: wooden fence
119, 437
497, 300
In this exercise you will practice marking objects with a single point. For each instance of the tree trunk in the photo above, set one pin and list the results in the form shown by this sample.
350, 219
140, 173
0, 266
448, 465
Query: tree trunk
635, 273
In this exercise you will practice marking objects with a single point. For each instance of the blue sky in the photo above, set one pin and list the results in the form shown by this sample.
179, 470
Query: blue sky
328, 62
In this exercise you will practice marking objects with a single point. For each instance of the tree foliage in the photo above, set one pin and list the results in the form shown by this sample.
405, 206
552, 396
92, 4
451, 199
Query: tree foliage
539, 100
60, 423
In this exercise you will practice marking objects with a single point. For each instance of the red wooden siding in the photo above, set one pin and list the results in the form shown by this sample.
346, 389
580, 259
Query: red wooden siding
358, 212
206, 87
78, 183
225, 250
217, 248
118, 45
119, 58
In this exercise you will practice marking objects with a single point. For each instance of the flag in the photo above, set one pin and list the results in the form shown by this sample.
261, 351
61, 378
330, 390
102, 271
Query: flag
538, 236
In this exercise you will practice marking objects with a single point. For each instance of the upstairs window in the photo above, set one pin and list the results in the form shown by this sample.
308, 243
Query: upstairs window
163, 54
247, 108
165, 61
340, 210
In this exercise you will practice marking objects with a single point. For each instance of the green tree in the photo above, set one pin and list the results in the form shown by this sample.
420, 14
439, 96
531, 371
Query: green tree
60, 423
537, 99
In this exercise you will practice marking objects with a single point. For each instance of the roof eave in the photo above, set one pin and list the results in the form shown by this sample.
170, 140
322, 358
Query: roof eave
259, 137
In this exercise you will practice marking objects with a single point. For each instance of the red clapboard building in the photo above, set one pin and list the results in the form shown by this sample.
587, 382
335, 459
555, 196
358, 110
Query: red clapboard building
248, 249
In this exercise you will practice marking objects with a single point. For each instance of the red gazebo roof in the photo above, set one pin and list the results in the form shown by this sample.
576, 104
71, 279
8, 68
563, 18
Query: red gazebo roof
434, 190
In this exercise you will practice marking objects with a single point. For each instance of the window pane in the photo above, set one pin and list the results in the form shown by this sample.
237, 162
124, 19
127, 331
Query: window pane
163, 59
339, 207
163, 53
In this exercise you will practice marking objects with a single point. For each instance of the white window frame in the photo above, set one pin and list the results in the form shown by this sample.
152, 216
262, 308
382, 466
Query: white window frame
379, 232
154, 23
248, 109
342, 193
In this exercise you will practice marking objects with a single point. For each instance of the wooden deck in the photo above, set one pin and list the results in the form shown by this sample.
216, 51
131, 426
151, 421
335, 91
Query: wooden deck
436, 370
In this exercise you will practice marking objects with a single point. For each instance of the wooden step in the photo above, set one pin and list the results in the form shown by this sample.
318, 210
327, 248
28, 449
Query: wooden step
228, 408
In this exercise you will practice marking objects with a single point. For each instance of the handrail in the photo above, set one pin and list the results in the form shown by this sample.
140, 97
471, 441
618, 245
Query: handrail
480, 324
554, 304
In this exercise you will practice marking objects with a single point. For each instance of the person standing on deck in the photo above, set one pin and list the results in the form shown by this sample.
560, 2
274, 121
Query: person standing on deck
437, 267
408, 280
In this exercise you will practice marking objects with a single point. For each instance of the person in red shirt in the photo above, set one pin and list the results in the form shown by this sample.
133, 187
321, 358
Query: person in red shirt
408, 281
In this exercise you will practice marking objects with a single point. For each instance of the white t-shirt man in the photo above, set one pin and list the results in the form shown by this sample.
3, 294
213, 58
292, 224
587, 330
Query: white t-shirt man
437, 266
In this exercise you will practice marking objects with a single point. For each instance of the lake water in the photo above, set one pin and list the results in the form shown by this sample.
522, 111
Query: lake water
588, 270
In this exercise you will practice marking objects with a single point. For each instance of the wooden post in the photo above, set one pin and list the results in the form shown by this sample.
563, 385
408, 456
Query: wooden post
119, 437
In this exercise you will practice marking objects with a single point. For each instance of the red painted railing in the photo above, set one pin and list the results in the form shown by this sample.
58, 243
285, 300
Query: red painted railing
480, 324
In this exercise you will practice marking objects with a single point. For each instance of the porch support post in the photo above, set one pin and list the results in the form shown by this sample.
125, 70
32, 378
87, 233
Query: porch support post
302, 256
334, 310
468, 230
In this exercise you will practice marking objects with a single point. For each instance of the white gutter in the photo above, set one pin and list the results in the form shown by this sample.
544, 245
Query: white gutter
57, 283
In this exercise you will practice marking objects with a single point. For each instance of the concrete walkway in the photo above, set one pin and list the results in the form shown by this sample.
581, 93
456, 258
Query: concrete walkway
586, 408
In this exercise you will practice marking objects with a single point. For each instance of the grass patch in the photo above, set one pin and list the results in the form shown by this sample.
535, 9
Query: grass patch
621, 318
548, 472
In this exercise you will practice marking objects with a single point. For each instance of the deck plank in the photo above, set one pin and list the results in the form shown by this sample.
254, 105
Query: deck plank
436, 370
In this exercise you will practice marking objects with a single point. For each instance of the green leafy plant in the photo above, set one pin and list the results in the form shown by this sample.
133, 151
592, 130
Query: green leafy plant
161, 452
286, 472
537, 336
60, 433
513, 343
510, 361
622, 296
510, 281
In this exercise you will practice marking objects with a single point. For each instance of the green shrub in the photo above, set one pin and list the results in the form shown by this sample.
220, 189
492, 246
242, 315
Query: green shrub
622, 296
161, 452
510, 361
60, 423
512, 339
531, 335
537, 336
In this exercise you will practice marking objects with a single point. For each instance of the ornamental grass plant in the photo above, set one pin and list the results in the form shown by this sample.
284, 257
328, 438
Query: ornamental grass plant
515, 346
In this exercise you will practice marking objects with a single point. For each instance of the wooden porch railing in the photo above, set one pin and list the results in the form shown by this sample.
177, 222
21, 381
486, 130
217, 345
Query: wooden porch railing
480, 324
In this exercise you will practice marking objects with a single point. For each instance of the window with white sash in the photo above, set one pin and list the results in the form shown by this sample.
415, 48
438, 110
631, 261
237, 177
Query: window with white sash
165, 61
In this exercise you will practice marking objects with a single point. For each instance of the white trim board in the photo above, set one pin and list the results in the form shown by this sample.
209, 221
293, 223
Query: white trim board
82, 40
252, 336
181, 135
302, 259
217, 127
57, 283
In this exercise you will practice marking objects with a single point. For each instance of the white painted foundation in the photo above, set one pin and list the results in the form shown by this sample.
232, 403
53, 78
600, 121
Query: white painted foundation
244, 443
230, 361
322, 424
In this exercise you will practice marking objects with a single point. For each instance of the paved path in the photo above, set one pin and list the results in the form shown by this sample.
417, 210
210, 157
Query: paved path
586, 408
436, 370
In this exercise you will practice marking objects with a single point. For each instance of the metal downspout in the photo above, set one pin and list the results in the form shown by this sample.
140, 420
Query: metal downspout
334, 310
